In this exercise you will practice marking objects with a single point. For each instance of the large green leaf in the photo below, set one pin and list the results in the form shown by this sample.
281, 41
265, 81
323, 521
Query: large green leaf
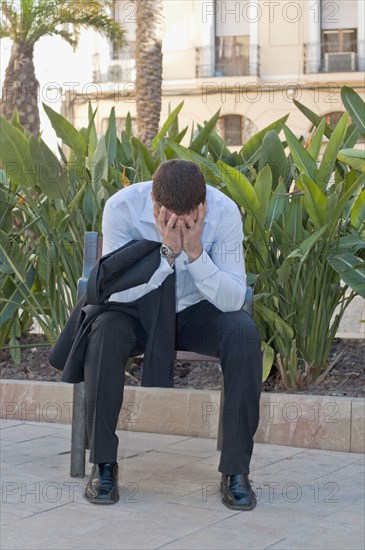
251, 150
218, 149
293, 218
166, 126
263, 187
273, 154
208, 167
315, 201
358, 211
15, 155
99, 170
52, 178
10, 304
12, 259
354, 158
240, 188
267, 359
316, 141
355, 106
278, 324
330, 154
339, 209
68, 133
203, 135
351, 269
313, 117
301, 157
306, 246
89, 133
111, 138
277, 203
350, 243
351, 137
145, 158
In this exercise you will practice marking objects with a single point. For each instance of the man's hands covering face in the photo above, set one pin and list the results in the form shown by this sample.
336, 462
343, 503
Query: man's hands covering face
181, 233
191, 233
170, 228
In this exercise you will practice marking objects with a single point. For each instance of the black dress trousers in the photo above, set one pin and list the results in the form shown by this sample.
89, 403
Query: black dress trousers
230, 336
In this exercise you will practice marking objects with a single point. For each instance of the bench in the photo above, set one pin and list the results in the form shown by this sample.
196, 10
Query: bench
79, 439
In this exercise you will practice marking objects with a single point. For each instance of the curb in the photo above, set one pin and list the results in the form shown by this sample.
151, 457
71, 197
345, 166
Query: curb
310, 421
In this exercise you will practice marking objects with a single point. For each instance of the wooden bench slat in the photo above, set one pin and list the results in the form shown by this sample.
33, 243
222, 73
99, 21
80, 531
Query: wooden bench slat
192, 356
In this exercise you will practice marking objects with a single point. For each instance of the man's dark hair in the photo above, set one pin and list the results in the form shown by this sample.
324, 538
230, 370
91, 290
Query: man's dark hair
179, 185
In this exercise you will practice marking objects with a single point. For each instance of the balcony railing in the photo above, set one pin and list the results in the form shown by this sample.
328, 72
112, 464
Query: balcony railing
317, 59
239, 60
118, 70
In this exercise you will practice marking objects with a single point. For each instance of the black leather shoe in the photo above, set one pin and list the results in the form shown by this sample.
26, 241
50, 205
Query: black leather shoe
237, 492
102, 487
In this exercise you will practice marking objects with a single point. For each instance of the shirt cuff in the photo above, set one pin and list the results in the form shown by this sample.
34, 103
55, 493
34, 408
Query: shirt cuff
202, 268
161, 273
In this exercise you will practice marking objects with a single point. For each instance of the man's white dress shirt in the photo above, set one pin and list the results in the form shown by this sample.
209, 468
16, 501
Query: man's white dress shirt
218, 275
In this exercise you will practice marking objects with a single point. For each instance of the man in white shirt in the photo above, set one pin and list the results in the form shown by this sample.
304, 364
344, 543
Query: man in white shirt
200, 230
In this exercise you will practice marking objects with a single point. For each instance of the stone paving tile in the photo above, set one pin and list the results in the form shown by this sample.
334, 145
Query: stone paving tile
32, 449
153, 462
304, 467
170, 496
195, 447
215, 538
41, 530
76, 526
342, 531
5, 442
22, 431
128, 446
5, 423
198, 470
152, 437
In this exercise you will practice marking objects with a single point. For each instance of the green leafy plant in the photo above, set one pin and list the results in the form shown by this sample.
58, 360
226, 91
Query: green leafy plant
302, 207
304, 225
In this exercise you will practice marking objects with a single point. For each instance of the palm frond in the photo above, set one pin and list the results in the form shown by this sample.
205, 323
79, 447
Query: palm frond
29, 20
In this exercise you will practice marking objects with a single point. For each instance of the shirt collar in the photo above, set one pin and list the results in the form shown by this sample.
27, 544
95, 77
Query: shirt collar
147, 214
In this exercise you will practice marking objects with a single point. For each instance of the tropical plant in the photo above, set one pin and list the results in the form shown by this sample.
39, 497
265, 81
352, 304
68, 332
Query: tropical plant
149, 34
25, 22
303, 213
304, 224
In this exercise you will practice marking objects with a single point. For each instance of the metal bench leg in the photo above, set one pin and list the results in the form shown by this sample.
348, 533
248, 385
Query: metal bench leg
78, 437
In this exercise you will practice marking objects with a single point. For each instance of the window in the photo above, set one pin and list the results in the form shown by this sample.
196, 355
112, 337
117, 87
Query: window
340, 40
124, 13
333, 118
235, 129
232, 55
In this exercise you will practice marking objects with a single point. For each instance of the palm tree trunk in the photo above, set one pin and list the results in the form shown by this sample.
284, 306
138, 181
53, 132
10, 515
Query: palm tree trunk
20, 88
149, 68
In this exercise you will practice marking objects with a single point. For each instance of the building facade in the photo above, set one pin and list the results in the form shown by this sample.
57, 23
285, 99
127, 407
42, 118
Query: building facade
248, 58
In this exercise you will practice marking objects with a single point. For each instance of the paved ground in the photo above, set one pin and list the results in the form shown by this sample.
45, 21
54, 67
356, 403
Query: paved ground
169, 496
351, 325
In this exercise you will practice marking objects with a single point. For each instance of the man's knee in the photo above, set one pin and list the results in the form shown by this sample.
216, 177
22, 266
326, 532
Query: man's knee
237, 327
112, 327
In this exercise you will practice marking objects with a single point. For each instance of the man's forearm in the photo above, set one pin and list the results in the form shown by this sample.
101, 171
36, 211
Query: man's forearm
226, 290
135, 293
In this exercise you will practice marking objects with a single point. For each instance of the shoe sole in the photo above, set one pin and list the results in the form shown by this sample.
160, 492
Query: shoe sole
238, 507
101, 501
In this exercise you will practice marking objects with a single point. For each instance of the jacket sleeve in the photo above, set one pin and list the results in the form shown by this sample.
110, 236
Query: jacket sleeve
117, 231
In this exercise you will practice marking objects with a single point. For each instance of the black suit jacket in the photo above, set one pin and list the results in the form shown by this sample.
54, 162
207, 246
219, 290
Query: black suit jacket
129, 266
